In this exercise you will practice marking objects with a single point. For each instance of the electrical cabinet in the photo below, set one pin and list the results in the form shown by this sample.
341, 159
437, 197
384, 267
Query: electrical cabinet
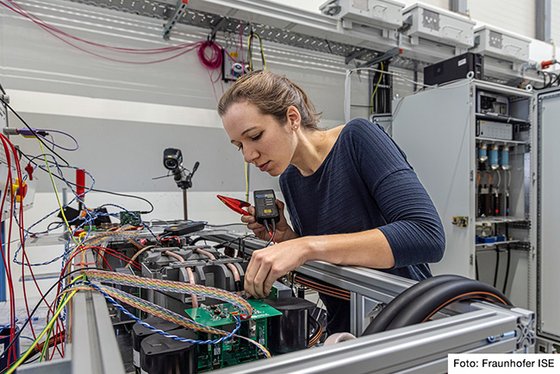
486, 154
439, 25
491, 41
548, 207
470, 143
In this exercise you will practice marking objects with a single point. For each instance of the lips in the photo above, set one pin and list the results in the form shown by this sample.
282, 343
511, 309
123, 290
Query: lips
265, 166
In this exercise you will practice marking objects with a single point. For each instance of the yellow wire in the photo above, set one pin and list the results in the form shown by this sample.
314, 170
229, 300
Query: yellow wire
262, 51
375, 90
250, 51
246, 181
78, 243
47, 328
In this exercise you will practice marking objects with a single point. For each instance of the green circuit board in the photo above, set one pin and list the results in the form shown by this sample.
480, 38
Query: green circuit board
233, 351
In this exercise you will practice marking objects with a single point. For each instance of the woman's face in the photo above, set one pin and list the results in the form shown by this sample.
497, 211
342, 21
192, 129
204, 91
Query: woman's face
264, 141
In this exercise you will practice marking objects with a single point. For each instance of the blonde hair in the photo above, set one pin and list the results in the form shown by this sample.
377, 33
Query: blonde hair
272, 94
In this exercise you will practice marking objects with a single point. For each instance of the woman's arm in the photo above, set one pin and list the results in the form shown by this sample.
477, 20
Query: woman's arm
367, 248
413, 235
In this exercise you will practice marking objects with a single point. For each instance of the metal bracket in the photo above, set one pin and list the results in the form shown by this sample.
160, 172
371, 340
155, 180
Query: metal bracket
217, 27
179, 11
393, 52
525, 331
355, 55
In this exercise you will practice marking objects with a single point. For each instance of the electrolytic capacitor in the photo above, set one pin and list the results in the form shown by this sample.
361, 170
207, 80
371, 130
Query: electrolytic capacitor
504, 158
493, 157
482, 152
483, 204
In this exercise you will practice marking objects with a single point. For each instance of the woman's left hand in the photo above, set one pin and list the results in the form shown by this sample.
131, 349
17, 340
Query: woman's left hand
270, 263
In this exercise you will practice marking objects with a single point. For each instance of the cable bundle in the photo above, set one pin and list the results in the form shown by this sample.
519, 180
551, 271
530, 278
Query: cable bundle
171, 286
213, 60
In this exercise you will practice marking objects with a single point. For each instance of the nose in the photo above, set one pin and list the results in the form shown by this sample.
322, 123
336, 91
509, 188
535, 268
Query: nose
250, 154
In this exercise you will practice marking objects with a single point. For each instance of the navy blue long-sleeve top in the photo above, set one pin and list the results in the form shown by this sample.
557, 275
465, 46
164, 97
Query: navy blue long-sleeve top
365, 182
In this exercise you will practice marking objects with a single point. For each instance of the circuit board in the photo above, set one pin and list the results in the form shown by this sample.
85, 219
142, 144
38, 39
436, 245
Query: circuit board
130, 218
233, 351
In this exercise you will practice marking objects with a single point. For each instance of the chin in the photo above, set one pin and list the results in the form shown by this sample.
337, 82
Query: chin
276, 171
273, 173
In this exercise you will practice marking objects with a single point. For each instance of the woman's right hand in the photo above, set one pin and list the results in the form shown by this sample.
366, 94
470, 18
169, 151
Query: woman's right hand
283, 230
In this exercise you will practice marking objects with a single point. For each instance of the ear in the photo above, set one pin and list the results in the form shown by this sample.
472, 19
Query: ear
294, 117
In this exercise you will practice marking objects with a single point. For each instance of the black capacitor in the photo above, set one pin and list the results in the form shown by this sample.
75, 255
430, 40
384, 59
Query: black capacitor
288, 332
140, 332
161, 355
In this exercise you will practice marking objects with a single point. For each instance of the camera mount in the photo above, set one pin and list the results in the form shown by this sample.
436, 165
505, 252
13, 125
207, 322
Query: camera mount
173, 161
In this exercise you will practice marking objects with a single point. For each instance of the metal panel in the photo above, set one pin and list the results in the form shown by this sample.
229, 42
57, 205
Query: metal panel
424, 345
94, 347
548, 240
438, 143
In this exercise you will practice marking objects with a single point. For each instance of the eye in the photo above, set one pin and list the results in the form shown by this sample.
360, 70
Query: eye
257, 137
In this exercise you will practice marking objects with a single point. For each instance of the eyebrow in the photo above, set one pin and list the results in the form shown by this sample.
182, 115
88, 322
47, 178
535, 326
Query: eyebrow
243, 133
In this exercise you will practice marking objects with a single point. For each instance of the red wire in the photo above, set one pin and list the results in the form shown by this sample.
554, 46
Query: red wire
39, 22
185, 48
6, 259
214, 60
6, 142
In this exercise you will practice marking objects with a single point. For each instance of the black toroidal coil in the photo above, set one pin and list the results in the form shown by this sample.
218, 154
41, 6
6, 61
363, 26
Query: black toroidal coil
140, 332
162, 355
288, 332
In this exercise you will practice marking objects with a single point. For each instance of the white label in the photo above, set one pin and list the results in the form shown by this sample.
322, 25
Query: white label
136, 358
462, 62
502, 363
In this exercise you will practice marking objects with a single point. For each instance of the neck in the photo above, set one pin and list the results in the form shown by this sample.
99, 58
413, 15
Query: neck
313, 148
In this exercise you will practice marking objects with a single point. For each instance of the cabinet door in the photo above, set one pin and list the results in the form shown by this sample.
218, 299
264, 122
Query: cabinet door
435, 128
548, 205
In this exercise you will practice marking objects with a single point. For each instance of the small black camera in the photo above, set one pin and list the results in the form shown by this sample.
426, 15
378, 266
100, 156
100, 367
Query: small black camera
172, 158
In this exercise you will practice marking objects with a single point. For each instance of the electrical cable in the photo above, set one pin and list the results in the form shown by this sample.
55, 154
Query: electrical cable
49, 325
322, 288
76, 145
190, 274
215, 59
111, 293
39, 138
43, 298
401, 301
316, 336
436, 298
252, 35
508, 264
497, 268
171, 286
246, 168
372, 109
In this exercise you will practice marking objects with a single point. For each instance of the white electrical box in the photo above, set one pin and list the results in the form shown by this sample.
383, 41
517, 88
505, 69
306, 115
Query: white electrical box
501, 44
440, 25
383, 14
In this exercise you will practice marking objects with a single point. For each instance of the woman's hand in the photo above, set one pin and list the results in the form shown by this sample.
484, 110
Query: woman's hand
270, 263
283, 230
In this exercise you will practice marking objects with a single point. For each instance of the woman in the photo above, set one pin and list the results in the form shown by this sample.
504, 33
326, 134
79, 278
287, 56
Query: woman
353, 198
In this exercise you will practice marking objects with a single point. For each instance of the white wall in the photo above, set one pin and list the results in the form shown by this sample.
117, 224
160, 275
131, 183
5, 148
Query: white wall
124, 115
512, 15
555, 11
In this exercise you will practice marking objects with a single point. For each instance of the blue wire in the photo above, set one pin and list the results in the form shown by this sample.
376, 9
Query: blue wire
161, 332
